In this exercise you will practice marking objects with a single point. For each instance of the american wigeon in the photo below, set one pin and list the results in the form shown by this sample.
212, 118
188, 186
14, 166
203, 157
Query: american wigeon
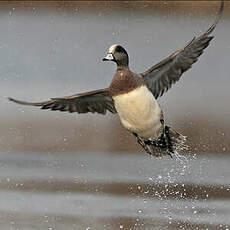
133, 96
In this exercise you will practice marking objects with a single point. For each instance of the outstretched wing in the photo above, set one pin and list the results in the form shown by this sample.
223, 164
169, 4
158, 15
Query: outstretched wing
161, 76
98, 101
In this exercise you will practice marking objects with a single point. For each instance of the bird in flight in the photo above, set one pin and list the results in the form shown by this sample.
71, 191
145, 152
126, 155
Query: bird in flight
134, 96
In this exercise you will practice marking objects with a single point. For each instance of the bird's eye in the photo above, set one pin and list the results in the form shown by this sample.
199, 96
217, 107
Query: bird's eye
119, 49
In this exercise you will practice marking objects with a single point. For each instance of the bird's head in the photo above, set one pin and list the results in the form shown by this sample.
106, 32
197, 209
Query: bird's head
119, 55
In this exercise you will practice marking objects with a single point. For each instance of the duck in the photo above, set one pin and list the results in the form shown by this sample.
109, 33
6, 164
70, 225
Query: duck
133, 96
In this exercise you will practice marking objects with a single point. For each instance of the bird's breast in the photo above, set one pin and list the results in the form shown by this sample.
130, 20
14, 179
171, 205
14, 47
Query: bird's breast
139, 112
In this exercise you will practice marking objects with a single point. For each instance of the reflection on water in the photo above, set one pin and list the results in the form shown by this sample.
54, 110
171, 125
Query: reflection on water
100, 191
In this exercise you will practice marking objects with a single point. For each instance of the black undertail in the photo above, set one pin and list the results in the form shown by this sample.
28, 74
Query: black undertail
169, 142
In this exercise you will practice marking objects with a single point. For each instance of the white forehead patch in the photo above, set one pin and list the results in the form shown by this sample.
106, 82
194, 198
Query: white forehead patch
109, 57
112, 48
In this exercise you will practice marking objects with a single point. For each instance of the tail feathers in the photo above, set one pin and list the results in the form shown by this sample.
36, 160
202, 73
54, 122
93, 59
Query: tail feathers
169, 143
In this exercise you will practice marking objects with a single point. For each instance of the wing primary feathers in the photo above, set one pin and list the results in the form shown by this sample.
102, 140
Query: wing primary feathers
98, 101
160, 77
27, 103
219, 15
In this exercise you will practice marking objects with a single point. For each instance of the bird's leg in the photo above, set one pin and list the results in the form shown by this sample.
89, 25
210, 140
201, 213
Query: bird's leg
169, 142
142, 143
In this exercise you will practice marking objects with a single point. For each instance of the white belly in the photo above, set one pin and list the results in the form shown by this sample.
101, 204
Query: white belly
139, 112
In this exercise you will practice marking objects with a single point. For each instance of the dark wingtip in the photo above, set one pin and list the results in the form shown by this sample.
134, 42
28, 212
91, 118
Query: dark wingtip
16, 101
27, 103
11, 99
221, 7
219, 15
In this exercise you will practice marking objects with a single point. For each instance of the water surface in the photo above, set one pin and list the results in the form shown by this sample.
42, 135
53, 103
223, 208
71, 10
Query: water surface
102, 191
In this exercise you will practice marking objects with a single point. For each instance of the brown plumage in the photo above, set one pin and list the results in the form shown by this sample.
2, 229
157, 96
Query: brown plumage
125, 81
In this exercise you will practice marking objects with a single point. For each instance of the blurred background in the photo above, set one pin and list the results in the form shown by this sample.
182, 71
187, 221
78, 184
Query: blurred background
54, 49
